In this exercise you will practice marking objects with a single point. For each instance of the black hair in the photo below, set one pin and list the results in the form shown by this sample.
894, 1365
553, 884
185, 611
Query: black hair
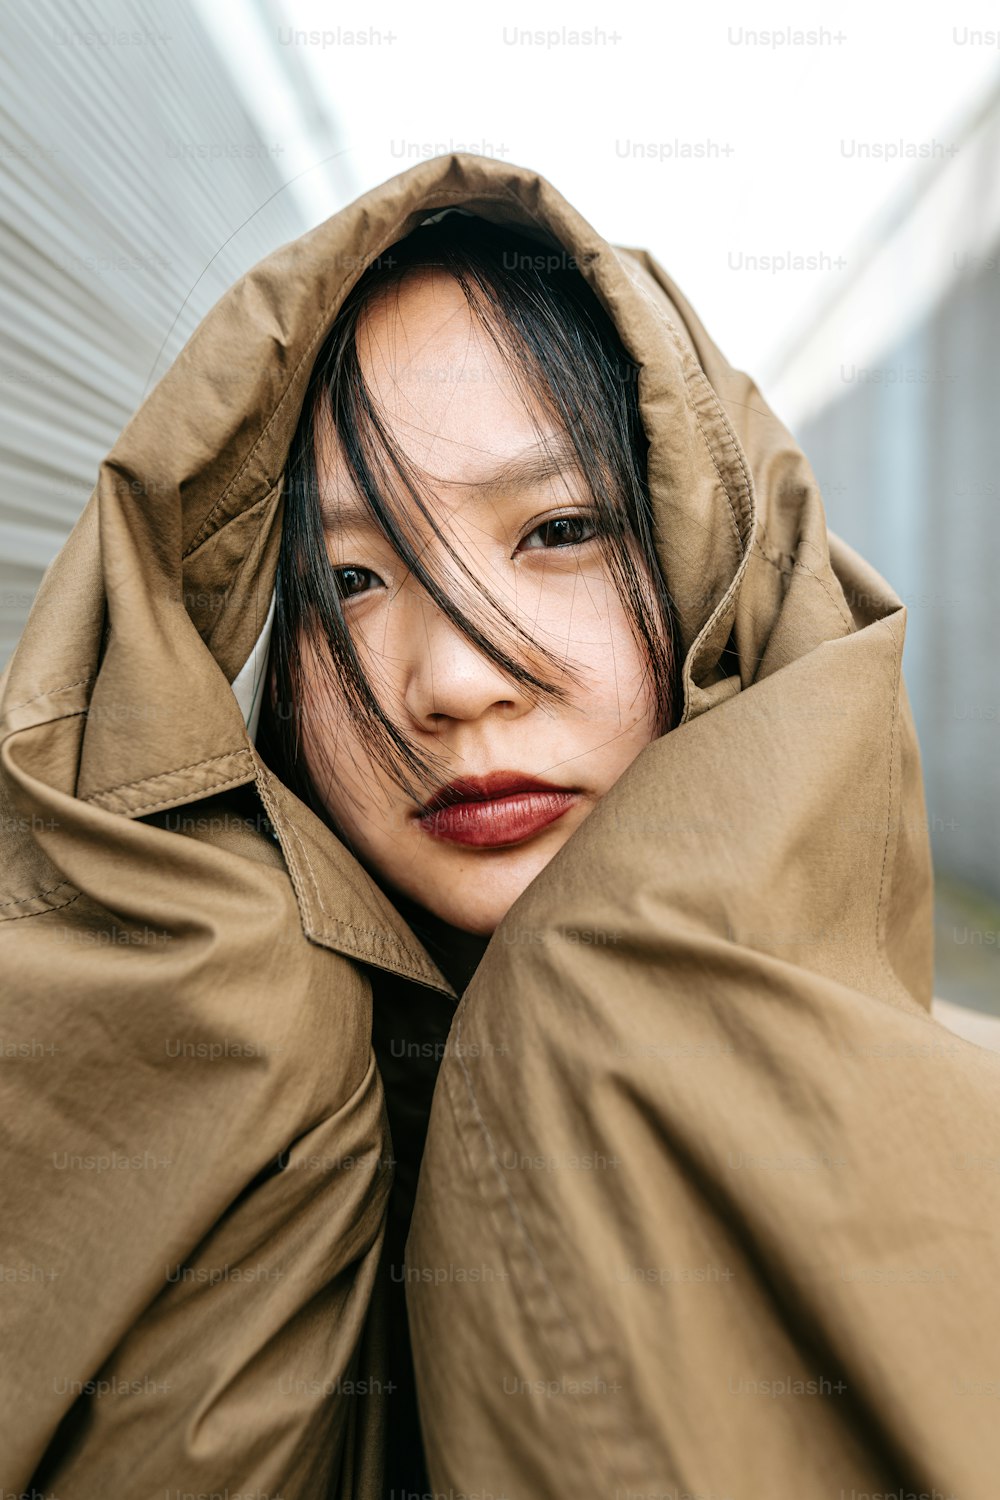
565, 354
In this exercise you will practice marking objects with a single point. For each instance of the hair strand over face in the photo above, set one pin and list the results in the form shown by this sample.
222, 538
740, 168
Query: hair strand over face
566, 360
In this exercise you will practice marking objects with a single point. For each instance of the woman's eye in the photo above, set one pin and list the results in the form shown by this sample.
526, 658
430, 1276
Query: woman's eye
350, 581
561, 531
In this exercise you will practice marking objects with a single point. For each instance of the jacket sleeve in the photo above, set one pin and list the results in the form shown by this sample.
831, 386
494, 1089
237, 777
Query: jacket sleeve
194, 1180
710, 1204
724, 1230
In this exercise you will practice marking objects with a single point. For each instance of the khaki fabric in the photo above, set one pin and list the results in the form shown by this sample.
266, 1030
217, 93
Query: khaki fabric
732, 955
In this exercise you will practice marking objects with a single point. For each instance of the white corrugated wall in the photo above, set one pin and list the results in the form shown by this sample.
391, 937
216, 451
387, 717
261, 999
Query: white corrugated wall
138, 182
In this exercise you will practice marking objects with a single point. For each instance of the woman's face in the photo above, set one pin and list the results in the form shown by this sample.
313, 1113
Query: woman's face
452, 407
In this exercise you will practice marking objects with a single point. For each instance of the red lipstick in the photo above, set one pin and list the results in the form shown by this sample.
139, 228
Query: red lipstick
485, 812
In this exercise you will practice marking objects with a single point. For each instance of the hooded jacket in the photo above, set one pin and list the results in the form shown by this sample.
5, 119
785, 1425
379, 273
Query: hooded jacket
695, 1133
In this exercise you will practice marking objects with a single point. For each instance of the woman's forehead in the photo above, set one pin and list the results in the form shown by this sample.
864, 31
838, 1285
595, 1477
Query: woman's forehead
478, 478
422, 346
450, 402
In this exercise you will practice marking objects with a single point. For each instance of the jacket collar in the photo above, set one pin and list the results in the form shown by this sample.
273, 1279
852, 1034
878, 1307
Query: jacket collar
364, 924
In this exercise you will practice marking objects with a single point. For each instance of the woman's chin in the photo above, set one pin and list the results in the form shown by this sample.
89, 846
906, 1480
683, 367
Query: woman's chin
477, 917
478, 907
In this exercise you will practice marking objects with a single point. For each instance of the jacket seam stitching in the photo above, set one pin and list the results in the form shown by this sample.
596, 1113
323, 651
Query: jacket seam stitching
49, 905
566, 1325
689, 382
893, 724
124, 786
197, 546
287, 824
312, 873
798, 563
47, 693
800, 567
218, 787
20, 900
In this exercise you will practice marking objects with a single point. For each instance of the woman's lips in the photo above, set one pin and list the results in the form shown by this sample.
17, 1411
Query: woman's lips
496, 821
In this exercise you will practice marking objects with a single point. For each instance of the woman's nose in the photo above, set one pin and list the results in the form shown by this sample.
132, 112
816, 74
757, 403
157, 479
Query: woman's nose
445, 674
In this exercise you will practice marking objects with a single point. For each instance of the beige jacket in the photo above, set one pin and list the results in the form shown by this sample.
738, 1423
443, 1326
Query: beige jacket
700, 1041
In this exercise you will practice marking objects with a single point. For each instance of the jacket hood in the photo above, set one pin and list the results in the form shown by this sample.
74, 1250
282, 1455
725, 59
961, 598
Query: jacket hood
164, 589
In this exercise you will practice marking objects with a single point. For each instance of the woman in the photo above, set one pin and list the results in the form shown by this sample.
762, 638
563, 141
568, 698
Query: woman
475, 395
428, 525
484, 400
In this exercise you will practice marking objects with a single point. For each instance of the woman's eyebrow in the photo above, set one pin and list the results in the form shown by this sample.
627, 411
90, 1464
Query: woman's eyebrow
531, 466
539, 461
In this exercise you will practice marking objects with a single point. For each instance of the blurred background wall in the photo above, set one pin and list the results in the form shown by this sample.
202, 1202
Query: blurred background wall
826, 193
895, 382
